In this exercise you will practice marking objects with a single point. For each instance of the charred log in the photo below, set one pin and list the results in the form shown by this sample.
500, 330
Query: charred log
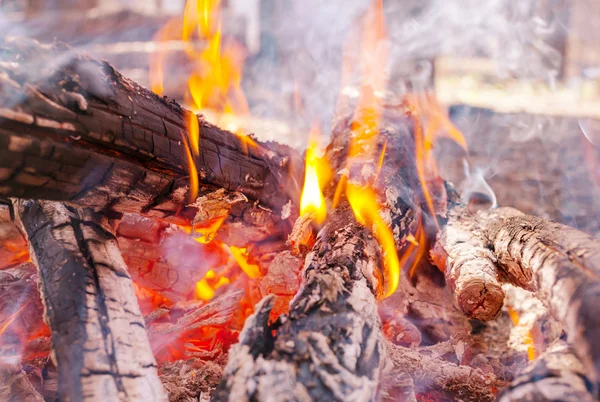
73, 129
100, 340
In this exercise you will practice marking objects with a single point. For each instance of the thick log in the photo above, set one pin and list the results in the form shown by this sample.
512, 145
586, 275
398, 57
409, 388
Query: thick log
100, 340
556, 375
73, 129
330, 346
559, 263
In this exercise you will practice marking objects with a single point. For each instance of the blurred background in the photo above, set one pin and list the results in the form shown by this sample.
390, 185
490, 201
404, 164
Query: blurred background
519, 78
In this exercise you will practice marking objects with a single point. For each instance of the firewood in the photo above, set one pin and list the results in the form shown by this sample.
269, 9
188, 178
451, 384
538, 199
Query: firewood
434, 373
556, 375
330, 346
73, 129
559, 263
471, 273
15, 386
100, 341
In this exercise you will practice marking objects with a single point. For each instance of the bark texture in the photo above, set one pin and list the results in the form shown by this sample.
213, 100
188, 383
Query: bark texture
556, 375
330, 346
559, 263
73, 129
100, 340
471, 274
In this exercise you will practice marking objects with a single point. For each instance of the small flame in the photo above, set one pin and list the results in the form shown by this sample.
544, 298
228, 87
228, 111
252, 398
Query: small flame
241, 257
315, 176
364, 204
527, 338
206, 287
193, 171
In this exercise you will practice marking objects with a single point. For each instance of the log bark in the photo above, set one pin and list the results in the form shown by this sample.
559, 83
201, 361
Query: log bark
469, 265
73, 129
559, 263
330, 346
556, 375
100, 341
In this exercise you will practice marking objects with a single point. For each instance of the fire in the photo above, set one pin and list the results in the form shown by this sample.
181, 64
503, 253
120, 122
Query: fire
215, 81
527, 335
431, 123
362, 201
315, 176
241, 257
206, 287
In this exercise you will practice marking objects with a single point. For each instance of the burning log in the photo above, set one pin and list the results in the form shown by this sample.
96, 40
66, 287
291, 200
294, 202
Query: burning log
556, 375
100, 340
559, 263
73, 129
331, 345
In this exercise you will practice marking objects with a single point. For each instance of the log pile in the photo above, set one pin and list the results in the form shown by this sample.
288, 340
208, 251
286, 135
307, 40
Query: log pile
97, 171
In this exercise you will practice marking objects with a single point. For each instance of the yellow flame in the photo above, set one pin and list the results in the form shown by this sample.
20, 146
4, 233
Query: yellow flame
194, 133
193, 171
241, 257
205, 290
316, 174
364, 204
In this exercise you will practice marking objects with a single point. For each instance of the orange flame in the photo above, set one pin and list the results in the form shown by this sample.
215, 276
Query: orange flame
374, 57
206, 287
241, 257
428, 114
363, 201
316, 174
528, 338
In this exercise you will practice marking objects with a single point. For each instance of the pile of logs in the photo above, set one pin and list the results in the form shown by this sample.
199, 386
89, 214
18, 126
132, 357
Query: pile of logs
95, 173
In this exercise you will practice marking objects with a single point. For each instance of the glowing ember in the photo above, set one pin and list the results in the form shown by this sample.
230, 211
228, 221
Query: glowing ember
315, 175
362, 200
206, 287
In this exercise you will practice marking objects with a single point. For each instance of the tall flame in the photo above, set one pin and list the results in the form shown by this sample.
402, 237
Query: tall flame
362, 200
316, 174
214, 85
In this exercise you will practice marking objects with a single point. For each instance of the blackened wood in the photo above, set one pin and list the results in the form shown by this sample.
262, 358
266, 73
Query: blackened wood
100, 340
73, 129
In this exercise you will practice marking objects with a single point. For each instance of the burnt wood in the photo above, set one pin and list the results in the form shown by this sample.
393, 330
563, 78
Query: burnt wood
73, 129
100, 340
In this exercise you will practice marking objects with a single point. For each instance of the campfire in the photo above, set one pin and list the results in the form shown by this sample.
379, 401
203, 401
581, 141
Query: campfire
151, 251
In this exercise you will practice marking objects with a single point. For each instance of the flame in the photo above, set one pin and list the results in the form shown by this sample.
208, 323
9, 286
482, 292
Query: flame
241, 257
193, 171
215, 81
363, 202
206, 287
528, 338
316, 174
374, 58
431, 123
